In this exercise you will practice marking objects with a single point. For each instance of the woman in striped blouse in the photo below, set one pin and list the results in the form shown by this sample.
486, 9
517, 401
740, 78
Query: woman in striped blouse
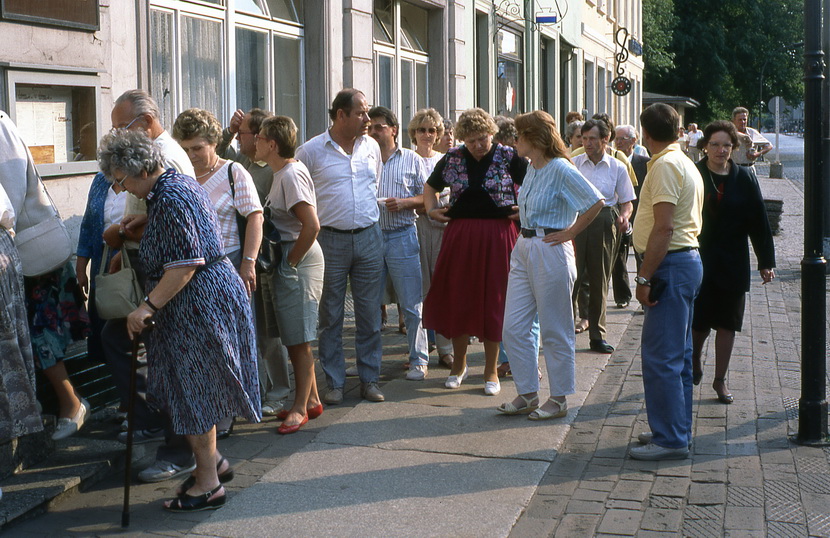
555, 203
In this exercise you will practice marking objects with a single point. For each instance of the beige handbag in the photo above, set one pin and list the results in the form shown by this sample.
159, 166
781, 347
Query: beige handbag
41, 237
116, 294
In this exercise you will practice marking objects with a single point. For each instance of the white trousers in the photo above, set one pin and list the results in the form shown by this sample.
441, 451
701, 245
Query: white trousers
541, 281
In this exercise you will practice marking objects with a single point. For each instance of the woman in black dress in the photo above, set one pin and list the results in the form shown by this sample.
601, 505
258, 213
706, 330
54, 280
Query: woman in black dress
733, 210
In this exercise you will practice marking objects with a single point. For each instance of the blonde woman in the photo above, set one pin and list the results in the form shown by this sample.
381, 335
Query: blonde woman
425, 129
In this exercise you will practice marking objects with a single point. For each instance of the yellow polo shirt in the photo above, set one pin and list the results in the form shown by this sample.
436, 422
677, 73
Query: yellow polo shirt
672, 178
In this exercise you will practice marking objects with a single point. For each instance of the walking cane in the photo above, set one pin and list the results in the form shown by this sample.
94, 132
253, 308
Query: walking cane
125, 511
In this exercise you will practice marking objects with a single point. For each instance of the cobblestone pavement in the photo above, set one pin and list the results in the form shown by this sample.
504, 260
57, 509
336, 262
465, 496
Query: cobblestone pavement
745, 477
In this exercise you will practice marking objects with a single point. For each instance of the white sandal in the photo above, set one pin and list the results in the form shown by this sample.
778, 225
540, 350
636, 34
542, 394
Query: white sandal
531, 404
541, 414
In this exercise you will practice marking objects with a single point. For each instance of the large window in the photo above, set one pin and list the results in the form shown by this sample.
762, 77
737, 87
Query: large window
510, 90
202, 56
57, 115
401, 58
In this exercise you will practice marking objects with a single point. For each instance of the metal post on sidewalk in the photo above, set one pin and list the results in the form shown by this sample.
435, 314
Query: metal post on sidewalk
812, 406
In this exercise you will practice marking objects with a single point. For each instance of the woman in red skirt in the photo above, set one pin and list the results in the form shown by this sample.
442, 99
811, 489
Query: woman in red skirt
467, 294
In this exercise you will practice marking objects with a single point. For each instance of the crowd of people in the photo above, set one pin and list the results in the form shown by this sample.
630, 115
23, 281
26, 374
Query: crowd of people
246, 256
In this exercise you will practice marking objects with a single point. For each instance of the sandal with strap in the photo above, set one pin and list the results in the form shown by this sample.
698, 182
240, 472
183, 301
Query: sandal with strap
224, 478
531, 404
541, 414
197, 503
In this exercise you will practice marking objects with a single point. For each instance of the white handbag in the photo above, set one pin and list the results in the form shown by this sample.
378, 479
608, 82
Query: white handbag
44, 247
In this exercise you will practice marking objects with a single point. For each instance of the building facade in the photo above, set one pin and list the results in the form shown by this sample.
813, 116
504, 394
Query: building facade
66, 62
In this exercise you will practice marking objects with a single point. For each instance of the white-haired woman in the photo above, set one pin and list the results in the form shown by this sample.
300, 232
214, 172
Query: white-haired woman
202, 353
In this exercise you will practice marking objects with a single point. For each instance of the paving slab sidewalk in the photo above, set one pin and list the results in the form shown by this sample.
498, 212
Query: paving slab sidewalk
744, 478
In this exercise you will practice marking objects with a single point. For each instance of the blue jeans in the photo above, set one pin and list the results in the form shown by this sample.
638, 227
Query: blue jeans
402, 262
357, 258
667, 351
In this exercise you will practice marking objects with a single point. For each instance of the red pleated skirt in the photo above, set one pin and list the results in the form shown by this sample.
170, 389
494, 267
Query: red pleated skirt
469, 286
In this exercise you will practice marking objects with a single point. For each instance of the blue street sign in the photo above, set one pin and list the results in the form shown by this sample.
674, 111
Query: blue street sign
545, 19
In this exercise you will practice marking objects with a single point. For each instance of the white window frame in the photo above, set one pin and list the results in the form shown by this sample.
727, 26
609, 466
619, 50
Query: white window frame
15, 77
231, 20
398, 54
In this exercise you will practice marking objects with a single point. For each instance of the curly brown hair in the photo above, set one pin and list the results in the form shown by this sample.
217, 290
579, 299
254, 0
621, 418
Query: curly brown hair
475, 121
195, 122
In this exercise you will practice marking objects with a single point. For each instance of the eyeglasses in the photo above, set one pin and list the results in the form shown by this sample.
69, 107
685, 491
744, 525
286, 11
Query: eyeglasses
120, 181
423, 130
720, 146
625, 138
127, 127
260, 137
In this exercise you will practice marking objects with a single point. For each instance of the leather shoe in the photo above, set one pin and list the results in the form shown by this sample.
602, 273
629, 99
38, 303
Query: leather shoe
334, 397
371, 392
601, 346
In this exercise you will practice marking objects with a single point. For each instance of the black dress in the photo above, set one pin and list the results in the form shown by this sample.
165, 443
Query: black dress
733, 211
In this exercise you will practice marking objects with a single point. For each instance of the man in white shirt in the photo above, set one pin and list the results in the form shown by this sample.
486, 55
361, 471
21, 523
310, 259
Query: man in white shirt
751, 143
400, 193
345, 165
694, 134
596, 244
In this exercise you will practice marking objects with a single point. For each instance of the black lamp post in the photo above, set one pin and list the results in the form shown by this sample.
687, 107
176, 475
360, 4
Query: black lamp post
812, 406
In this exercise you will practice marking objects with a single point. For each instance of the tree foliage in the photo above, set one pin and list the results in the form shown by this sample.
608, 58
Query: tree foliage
718, 50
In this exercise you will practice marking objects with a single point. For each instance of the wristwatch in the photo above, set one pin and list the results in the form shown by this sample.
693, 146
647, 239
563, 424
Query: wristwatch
642, 281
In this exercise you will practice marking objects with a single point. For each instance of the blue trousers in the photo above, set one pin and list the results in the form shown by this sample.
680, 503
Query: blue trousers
402, 263
355, 258
667, 350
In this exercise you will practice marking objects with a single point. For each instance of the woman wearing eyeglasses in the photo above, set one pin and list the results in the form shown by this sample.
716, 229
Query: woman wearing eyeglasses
198, 132
425, 129
202, 354
733, 211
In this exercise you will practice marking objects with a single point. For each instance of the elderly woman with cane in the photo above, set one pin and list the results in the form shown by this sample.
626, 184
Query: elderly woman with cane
202, 354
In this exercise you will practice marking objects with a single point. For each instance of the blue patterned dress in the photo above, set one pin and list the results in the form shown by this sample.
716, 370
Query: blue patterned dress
202, 353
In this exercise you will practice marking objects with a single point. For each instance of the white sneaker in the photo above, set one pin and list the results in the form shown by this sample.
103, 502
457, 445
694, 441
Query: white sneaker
271, 408
454, 381
70, 426
491, 388
417, 372
351, 371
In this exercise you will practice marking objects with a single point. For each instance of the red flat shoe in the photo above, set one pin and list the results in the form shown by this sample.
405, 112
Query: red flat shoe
314, 412
294, 428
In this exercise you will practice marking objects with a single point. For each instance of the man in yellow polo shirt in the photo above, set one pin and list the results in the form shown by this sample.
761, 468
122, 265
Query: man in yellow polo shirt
665, 236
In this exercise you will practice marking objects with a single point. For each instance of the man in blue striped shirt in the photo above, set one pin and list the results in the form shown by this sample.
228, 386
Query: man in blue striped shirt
400, 193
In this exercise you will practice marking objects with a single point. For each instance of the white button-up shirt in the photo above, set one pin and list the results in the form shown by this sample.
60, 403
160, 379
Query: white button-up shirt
609, 176
346, 185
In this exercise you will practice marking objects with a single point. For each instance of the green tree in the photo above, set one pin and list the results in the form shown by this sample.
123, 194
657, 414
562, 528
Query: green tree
658, 26
720, 48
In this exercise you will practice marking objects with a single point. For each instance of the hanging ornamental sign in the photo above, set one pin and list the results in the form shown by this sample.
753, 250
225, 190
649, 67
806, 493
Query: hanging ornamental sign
621, 85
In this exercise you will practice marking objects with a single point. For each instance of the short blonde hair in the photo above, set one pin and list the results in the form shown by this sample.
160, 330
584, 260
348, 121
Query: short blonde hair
195, 122
475, 121
283, 131
426, 116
